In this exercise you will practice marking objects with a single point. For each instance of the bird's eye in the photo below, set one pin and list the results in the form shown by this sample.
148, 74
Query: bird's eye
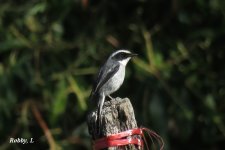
122, 56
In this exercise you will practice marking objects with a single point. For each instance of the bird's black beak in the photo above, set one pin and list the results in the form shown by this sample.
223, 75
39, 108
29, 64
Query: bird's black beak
132, 54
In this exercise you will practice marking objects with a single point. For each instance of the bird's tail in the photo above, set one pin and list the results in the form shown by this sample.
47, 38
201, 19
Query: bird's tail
99, 111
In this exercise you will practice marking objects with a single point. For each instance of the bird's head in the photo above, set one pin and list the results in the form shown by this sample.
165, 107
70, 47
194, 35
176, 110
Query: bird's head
122, 56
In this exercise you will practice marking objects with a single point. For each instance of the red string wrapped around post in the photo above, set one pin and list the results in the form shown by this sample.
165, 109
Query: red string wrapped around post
120, 139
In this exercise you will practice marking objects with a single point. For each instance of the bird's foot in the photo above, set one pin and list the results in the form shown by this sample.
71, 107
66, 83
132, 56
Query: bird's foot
110, 97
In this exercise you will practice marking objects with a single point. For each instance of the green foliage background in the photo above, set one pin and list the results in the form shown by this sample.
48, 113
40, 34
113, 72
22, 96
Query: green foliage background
50, 52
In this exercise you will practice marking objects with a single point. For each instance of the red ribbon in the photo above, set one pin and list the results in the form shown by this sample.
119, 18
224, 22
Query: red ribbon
121, 139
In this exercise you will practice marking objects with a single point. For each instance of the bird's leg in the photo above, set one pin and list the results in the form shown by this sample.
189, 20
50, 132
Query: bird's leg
110, 97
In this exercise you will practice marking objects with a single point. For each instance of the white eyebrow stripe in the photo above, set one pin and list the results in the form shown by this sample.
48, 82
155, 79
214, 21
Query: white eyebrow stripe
119, 51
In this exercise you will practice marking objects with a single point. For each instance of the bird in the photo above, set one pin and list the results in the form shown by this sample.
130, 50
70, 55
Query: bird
110, 78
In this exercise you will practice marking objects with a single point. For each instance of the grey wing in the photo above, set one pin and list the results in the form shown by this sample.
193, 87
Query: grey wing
100, 74
103, 77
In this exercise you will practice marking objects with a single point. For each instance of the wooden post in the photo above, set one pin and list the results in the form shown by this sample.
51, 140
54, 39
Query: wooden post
117, 116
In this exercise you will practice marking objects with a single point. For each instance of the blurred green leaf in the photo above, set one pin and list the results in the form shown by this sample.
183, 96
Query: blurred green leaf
210, 102
78, 92
60, 100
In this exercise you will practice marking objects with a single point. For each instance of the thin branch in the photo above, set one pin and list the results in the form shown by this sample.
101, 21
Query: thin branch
44, 126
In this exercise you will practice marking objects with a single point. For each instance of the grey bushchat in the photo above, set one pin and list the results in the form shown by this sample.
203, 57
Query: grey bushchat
110, 78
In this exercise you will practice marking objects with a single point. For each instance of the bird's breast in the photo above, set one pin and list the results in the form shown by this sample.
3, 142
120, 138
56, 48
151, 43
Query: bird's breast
115, 82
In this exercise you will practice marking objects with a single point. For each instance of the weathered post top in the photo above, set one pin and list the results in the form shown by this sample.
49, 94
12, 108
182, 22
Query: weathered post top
117, 116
